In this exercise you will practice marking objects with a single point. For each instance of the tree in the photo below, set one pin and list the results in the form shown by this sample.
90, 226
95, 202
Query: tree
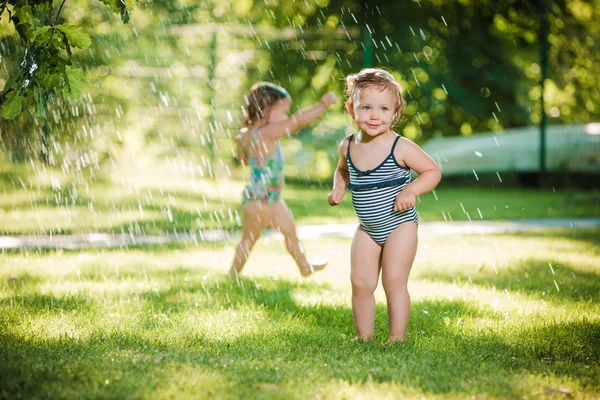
465, 66
47, 64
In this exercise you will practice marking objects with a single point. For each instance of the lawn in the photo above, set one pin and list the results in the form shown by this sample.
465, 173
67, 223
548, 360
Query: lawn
161, 198
503, 316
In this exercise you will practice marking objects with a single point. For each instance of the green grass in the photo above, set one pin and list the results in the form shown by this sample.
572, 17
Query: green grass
458, 204
506, 316
159, 198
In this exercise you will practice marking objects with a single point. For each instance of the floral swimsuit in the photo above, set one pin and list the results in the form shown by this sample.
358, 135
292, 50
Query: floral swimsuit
266, 176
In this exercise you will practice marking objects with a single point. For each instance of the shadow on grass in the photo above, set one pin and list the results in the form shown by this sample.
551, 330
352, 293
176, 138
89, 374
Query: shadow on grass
25, 297
174, 218
589, 237
136, 247
9, 180
296, 361
21, 281
559, 283
304, 203
225, 294
11, 176
34, 303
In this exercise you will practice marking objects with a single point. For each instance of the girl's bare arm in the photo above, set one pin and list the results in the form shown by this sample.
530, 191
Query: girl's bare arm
300, 119
416, 159
341, 177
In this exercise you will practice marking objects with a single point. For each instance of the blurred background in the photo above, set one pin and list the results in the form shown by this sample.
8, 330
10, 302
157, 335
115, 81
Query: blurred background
503, 94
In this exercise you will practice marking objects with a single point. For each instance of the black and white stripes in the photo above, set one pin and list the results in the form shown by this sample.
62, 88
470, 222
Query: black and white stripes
374, 192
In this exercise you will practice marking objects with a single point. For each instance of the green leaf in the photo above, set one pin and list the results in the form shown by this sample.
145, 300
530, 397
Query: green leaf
24, 22
75, 36
41, 35
11, 82
39, 99
125, 14
11, 108
65, 43
119, 7
74, 78
41, 31
24, 15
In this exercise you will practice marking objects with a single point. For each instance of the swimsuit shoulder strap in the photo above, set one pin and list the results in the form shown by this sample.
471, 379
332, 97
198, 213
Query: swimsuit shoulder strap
254, 137
252, 141
348, 149
395, 143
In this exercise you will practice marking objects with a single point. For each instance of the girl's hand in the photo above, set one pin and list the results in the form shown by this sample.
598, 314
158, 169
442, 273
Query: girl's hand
329, 98
405, 200
335, 197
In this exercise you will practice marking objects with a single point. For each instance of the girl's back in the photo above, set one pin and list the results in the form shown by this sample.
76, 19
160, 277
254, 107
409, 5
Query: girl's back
254, 145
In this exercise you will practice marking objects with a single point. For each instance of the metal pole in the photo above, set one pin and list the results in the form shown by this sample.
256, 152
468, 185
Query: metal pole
368, 44
211, 94
367, 36
544, 46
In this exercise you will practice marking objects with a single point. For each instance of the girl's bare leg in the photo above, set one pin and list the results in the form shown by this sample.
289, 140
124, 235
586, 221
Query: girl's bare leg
397, 259
283, 221
256, 217
364, 260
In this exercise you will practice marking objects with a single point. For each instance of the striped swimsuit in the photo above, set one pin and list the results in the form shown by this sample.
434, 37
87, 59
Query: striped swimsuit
374, 192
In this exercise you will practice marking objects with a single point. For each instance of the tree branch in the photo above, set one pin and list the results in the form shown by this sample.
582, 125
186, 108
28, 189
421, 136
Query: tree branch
56, 19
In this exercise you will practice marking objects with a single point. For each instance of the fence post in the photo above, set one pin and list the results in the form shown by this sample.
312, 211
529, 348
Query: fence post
544, 45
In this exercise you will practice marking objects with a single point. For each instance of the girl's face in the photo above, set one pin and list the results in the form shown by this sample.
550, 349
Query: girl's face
279, 110
373, 110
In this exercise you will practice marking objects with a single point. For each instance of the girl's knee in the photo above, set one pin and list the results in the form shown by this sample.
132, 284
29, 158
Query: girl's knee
247, 244
363, 285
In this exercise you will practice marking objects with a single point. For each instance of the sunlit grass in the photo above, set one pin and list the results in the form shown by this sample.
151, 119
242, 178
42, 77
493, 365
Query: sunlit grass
158, 198
503, 316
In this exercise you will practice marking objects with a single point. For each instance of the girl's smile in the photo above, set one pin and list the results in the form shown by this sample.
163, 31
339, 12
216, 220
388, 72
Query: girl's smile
374, 110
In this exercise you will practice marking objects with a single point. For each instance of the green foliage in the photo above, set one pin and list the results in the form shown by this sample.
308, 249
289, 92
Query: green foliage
74, 36
47, 66
12, 105
465, 66
119, 7
74, 80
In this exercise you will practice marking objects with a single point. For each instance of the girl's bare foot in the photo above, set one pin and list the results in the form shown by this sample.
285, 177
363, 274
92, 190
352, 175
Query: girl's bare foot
396, 339
319, 266
362, 339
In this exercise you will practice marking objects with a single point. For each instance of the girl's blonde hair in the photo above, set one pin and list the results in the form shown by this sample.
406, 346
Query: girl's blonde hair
262, 96
375, 78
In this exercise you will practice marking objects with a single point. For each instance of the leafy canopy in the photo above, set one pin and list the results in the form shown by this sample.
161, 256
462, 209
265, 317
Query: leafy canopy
47, 65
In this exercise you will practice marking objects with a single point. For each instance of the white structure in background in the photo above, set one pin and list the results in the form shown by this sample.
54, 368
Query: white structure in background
569, 148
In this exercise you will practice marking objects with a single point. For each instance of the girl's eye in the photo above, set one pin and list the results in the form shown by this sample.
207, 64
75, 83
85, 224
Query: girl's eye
384, 108
366, 107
